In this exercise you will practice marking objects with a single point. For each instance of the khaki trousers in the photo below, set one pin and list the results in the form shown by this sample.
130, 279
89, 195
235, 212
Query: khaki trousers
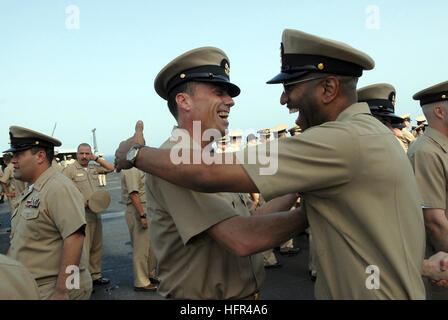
102, 179
94, 243
143, 257
287, 245
47, 286
269, 257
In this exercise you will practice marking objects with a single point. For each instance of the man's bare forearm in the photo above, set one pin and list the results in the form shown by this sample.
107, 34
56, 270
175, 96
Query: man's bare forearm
71, 256
136, 202
248, 235
106, 165
198, 177
279, 204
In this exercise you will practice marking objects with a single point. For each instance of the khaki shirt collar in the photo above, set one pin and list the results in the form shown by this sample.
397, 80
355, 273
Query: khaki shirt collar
438, 137
43, 178
354, 109
77, 165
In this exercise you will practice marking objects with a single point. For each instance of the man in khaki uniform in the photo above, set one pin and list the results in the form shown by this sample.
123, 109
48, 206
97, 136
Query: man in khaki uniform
236, 137
429, 158
101, 176
265, 135
11, 186
359, 192
47, 229
134, 196
287, 248
85, 179
205, 244
295, 131
16, 283
407, 138
381, 100
421, 126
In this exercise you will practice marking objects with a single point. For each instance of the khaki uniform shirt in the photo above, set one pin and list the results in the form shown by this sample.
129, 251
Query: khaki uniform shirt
361, 202
407, 139
429, 158
132, 180
16, 281
192, 265
85, 179
47, 214
57, 166
12, 184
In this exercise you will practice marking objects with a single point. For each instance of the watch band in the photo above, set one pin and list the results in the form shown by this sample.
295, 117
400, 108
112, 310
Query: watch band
143, 216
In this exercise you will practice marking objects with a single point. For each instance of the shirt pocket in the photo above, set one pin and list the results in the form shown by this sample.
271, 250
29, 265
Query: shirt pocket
30, 218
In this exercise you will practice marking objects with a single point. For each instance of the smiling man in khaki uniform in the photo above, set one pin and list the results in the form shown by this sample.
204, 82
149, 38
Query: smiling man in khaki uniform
206, 244
429, 158
47, 229
133, 194
359, 191
11, 186
86, 181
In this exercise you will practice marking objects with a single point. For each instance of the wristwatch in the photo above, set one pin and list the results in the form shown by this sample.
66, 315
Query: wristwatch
132, 154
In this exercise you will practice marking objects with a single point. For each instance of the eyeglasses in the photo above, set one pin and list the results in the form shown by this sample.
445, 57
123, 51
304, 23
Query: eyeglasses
287, 86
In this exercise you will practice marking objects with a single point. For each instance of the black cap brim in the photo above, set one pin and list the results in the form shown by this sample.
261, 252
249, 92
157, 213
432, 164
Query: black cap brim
13, 150
286, 76
232, 89
392, 116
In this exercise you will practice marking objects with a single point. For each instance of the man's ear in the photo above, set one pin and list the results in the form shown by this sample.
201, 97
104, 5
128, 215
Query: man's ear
439, 112
41, 156
183, 101
329, 87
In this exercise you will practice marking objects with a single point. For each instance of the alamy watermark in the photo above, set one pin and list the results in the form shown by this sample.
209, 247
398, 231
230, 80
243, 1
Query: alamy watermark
183, 152
72, 281
72, 21
373, 280
373, 18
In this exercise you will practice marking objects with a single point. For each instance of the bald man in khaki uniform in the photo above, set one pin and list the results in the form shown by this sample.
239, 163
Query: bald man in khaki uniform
16, 283
11, 186
429, 158
47, 229
359, 191
133, 194
85, 178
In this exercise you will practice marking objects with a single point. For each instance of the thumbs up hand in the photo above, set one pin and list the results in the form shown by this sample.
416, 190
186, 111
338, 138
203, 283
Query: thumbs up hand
121, 161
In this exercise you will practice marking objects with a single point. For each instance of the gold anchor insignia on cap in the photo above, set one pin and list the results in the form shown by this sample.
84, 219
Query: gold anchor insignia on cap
227, 69
320, 66
37, 142
444, 96
182, 75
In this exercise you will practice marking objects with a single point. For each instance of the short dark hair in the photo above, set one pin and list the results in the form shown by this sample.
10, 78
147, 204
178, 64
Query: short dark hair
7, 157
186, 87
49, 153
85, 145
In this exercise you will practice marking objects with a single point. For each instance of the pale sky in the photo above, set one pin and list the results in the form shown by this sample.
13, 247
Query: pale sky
101, 75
